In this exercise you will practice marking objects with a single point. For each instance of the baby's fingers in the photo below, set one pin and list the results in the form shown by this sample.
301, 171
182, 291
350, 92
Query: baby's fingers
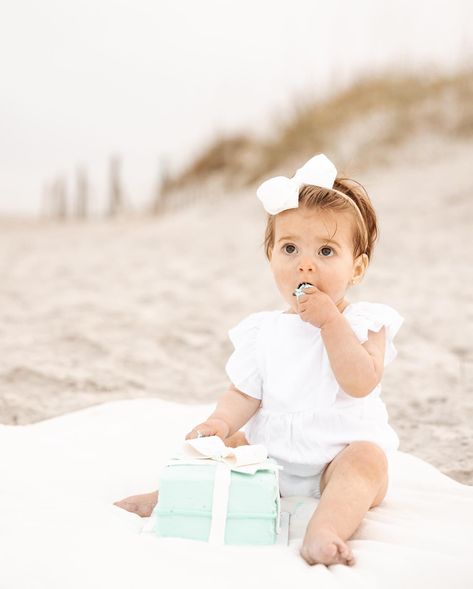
200, 431
211, 427
302, 303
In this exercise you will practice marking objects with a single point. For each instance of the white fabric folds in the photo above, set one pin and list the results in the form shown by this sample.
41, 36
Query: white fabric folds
60, 476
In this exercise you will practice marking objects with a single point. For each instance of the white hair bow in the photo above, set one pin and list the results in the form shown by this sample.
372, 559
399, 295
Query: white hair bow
280, 193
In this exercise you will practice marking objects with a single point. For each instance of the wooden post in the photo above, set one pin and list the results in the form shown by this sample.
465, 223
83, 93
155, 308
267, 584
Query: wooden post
82, 193
46, 212
60, 199
158, 203
116, 190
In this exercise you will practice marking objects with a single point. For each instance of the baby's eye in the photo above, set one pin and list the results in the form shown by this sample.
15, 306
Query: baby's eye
326, 251
288, 245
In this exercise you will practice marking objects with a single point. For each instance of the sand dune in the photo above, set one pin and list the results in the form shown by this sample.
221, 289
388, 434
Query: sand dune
141, 307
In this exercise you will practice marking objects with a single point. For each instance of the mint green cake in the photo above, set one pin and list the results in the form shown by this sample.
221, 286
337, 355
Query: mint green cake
184, 508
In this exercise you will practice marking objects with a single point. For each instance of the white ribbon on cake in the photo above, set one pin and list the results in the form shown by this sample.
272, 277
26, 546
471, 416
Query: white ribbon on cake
246, 459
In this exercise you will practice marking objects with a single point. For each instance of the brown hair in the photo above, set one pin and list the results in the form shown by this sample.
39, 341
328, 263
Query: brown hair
314, 197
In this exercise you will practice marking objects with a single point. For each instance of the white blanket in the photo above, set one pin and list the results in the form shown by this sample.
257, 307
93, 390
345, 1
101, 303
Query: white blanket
59, 529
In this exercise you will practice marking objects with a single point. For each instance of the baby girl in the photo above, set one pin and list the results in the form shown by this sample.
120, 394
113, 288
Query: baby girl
305, 382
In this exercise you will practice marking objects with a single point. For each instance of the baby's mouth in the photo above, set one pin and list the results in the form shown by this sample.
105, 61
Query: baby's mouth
300, 289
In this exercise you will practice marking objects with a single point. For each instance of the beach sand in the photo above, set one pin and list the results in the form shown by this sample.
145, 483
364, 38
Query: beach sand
141, 307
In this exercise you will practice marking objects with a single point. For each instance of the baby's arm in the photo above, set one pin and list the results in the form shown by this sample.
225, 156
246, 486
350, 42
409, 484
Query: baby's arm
358, 367
233, 410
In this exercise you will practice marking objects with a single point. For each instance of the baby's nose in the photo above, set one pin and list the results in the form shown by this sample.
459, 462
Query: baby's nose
307, 265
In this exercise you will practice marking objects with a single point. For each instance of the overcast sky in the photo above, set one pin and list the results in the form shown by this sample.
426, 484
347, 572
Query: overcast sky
153, 79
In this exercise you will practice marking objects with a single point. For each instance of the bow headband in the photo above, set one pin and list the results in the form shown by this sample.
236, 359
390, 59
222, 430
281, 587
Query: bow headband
280, 193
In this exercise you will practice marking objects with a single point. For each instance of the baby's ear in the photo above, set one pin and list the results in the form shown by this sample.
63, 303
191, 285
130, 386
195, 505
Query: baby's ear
359, 268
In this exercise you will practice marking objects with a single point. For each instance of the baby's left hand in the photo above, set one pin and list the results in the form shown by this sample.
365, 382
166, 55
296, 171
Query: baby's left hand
316, 307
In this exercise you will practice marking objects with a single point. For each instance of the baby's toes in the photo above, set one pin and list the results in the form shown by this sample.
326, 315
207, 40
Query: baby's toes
330, 552
142, 505
339, 557
127, 505
347, 554
315, 553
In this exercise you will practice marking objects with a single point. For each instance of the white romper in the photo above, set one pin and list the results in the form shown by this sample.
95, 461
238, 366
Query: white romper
305, 418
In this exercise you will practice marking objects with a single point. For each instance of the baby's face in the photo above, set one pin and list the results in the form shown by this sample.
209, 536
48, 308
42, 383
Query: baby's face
315, 246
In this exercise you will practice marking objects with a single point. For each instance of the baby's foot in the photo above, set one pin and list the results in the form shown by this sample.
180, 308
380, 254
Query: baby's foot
142, 505
325, 546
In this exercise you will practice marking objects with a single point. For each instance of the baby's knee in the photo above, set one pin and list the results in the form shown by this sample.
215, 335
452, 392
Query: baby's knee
369, 458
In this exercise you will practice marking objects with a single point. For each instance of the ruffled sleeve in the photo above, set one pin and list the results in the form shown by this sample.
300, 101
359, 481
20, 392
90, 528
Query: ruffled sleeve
242, 367
364, 317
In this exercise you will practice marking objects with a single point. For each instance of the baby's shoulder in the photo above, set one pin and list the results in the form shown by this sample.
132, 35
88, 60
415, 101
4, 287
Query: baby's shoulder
364, 317
257, 318
251, 324
367, 310
366, 305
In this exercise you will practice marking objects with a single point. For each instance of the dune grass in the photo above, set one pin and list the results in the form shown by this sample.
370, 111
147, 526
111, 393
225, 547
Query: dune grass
371, 116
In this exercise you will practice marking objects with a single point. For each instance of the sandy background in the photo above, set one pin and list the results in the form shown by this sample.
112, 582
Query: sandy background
141, 307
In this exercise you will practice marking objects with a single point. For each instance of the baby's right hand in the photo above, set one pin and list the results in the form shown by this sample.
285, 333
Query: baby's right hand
211, 427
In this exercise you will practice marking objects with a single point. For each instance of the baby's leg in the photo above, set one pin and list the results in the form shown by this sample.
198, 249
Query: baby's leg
352, 483
142, 505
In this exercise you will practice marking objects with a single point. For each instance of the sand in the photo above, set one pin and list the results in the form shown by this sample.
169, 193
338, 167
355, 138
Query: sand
140, 307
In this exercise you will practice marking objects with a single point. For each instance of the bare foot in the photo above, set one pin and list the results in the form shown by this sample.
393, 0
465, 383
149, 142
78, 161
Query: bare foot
142, 505
324, 546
